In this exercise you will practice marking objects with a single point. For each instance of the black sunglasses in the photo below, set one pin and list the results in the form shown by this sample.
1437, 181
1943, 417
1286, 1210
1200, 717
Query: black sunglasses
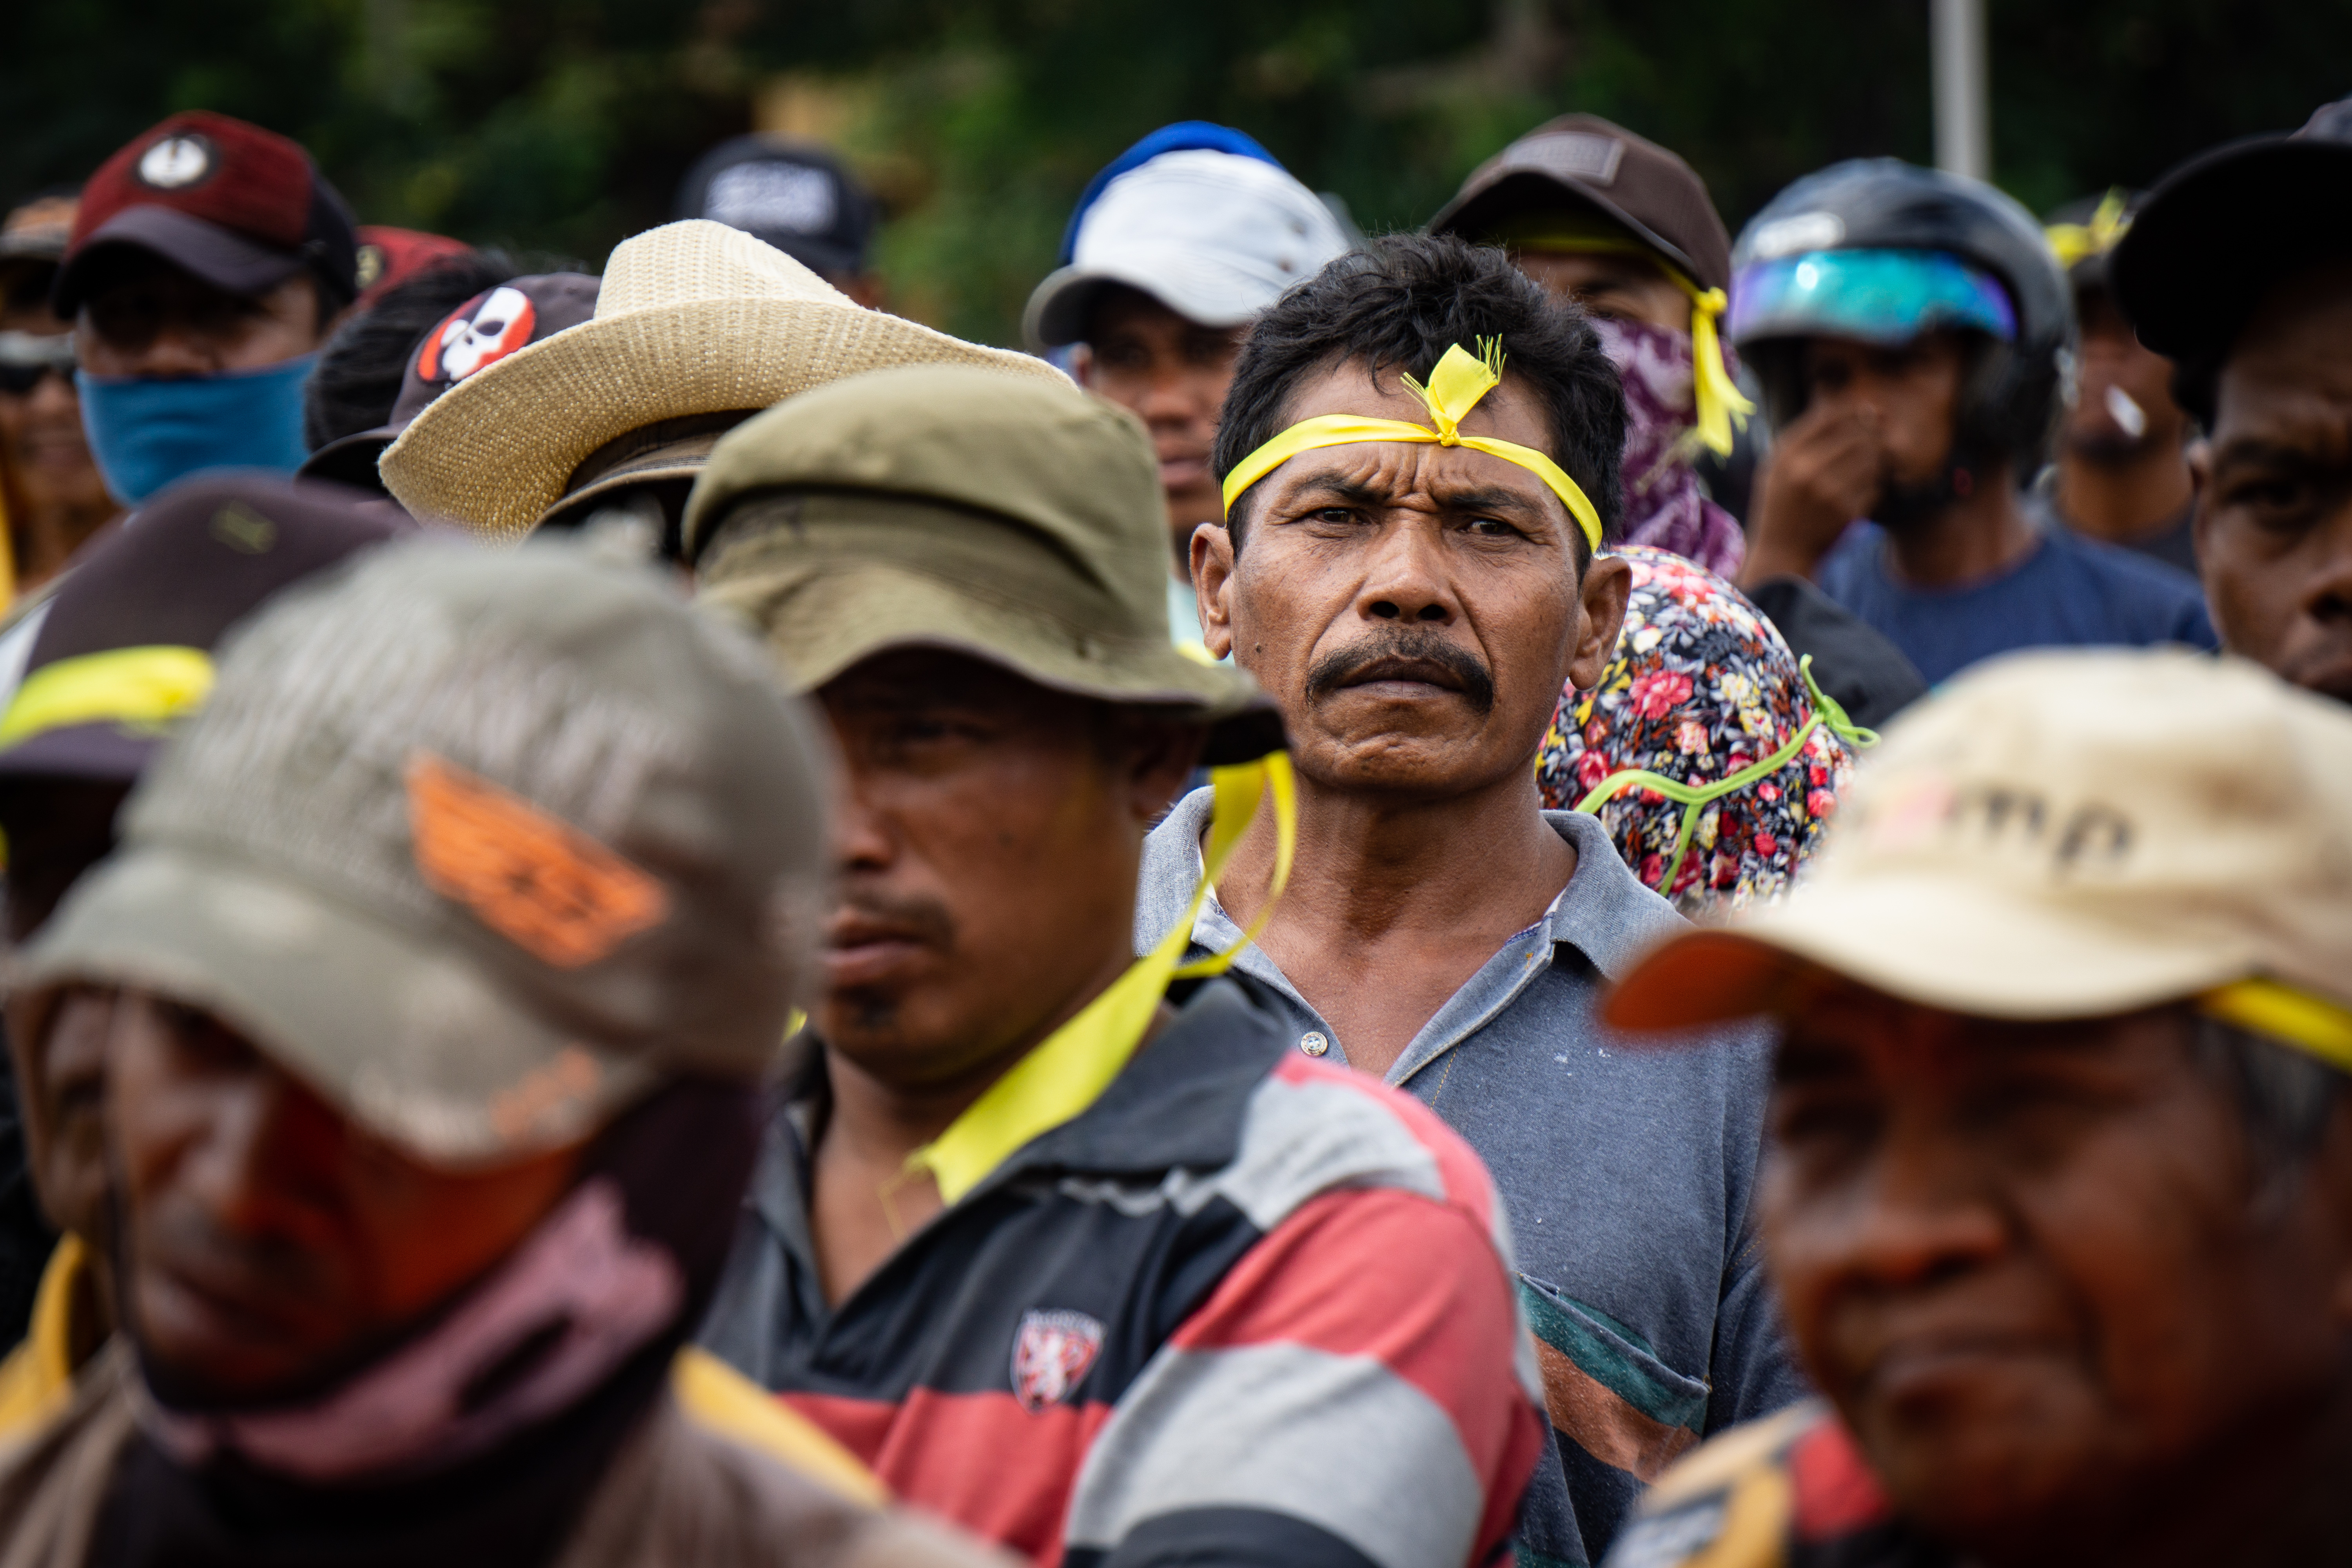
26, 357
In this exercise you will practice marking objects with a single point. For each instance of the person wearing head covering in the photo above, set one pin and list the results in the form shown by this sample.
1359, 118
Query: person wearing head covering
1706, 750
446, 948
122, 656
1915, 338
2260, 362
2121, 471
2062, 1135
1626, 229
1420, 459
1174, 248
1105, 1271
51, 493
210, 261
603, 426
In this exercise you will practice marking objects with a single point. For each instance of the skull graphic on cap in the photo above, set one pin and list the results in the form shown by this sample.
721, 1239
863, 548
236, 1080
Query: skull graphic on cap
478, 333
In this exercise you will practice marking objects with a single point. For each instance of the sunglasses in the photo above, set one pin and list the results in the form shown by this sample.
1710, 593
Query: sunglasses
26, 357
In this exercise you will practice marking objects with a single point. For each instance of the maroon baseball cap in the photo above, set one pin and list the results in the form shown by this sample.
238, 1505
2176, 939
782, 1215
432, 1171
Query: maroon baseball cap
238, 207
475, 336
1582, 161
390, 257
199, 558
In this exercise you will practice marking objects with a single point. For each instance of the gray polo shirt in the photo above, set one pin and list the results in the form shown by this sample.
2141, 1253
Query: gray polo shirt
1627, 1172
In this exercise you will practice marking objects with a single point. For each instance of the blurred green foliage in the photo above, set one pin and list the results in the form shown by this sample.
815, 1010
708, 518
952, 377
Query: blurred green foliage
564, 125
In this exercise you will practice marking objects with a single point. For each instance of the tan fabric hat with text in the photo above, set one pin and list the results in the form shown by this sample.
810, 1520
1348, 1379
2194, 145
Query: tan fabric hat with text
2060, 835
694, 318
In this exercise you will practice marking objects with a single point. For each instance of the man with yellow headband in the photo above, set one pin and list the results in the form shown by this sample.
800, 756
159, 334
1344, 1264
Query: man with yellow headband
122, 654
2058, 1196
1411, 567
1102, 1276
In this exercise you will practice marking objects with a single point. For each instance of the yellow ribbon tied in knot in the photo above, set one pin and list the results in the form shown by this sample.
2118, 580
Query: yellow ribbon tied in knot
1454, 388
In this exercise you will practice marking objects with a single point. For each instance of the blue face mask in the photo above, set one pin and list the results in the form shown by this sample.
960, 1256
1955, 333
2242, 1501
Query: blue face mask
148, 431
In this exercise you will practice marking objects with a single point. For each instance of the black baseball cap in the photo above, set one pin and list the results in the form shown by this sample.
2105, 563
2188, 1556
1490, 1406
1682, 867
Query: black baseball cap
797, 197
2221, 231
1582, 161
124, 649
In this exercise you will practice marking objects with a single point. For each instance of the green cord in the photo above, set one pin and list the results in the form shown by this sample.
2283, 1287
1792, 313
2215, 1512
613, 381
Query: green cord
1826, 711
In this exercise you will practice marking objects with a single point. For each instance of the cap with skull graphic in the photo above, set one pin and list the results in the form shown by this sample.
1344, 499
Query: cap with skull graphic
478, 333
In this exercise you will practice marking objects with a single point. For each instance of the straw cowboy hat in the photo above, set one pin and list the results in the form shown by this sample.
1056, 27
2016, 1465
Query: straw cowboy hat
695, 321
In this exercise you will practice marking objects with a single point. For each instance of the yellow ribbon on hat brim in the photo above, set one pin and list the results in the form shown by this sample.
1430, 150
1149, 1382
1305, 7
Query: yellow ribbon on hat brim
142, 689
1454, 388
1070, 1068
1720, 402
2309, 1022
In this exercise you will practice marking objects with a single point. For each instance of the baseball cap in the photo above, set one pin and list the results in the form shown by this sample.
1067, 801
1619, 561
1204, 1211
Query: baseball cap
2220, 231
1582, 161
32, 241
2063, 834
470, 338
389, 256
948, 505
125, 652
796, 196
238, 207
1216, 237
480, 844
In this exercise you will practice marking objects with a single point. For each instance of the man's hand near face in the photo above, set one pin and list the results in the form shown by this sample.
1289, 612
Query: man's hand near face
1824, 471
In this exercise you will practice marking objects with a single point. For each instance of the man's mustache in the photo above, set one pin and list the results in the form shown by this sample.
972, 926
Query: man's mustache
1406, 646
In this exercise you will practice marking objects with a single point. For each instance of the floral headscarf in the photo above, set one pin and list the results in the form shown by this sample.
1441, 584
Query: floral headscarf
1701, 689
1666, 506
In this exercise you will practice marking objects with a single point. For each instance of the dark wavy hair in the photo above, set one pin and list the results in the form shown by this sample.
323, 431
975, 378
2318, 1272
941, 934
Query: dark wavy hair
1398, 305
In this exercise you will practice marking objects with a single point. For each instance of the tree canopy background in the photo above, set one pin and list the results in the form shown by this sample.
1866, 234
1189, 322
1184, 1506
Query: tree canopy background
564, 125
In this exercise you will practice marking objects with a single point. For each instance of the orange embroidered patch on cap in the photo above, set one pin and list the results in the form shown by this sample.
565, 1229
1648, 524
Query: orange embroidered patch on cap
542, 883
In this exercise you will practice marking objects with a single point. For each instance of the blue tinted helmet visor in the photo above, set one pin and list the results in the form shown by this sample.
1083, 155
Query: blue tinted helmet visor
1878, 296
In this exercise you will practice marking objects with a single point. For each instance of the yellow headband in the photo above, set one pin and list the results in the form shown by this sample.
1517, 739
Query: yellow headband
2322, 1028
1454, 388
1719, 401
142, 689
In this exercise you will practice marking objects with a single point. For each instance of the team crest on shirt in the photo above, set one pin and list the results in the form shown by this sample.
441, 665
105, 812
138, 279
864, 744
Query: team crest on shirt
476, 335
1050, 1355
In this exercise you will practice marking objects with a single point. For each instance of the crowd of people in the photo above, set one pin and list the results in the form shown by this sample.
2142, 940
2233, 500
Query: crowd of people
1560, 889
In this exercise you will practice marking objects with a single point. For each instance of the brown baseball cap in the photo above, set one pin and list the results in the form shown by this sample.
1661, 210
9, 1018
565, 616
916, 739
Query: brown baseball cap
480, 844
1582, 161
2062, 835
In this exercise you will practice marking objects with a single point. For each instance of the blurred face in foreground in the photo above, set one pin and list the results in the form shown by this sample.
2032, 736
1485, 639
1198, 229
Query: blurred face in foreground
270, 1244
1173, 373
2037, 1272
1413, 609
2275, 496
987, 844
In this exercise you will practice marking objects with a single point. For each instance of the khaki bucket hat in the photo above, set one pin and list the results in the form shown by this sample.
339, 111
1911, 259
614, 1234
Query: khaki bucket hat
2062, 835
946, 506
695, 321
479, 845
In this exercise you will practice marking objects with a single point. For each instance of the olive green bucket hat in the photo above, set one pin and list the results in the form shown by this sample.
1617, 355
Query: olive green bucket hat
951, 506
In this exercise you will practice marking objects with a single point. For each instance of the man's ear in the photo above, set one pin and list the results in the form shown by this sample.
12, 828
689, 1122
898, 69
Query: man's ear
1160, 756
1608, 584
1213, 576
2200, 488
1082, 364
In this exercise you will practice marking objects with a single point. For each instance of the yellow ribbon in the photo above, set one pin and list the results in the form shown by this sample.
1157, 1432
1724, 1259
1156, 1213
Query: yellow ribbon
1069, 1070
139, 688
1454, 388
2322, 1028
1718, 397
2075, 241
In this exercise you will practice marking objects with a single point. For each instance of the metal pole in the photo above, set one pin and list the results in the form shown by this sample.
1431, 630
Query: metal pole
1963, 120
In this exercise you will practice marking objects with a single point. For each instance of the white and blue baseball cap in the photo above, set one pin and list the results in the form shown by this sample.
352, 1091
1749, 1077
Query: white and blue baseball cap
1215, 232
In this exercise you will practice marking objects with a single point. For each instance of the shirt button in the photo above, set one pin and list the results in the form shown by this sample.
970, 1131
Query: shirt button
1314, 1042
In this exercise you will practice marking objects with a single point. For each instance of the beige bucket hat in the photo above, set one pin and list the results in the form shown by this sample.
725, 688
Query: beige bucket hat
694, 320
2062, 835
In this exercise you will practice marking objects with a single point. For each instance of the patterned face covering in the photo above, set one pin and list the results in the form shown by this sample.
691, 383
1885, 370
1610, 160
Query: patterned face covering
1665, 507
1702, 690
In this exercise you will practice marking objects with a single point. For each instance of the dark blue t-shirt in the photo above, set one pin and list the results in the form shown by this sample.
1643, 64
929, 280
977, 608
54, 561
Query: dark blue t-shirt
2071, 591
